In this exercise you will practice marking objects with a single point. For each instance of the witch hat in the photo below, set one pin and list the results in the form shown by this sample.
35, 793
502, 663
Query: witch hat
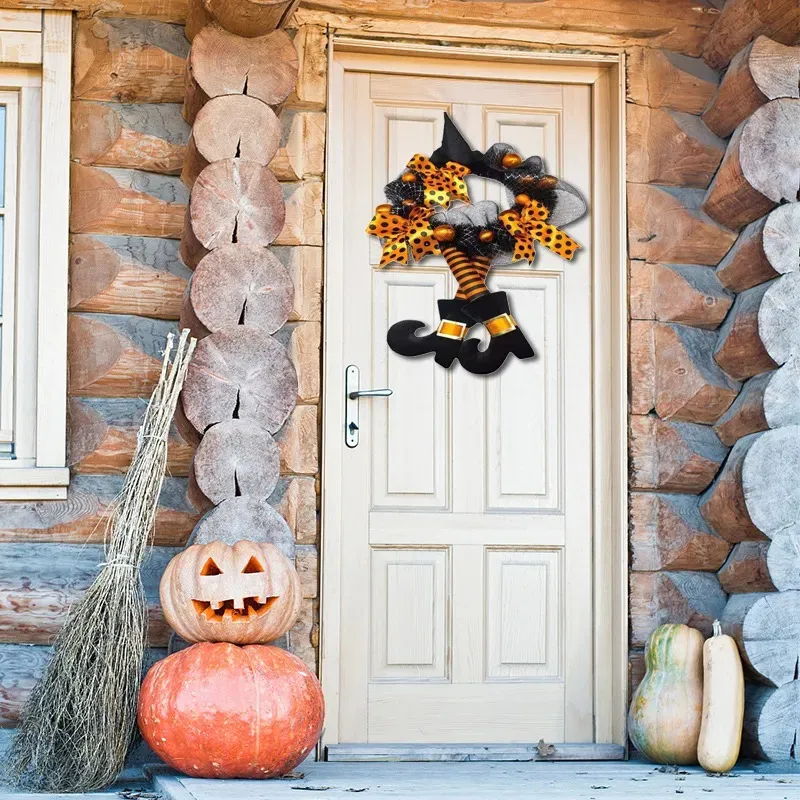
455, 147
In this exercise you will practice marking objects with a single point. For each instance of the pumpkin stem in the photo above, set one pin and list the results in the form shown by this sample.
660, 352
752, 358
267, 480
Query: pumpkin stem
717, 628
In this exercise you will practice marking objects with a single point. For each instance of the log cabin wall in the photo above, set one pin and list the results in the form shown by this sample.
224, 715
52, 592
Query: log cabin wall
697, 384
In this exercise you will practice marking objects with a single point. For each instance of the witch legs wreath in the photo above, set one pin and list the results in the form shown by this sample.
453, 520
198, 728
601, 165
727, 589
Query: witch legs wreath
429, 213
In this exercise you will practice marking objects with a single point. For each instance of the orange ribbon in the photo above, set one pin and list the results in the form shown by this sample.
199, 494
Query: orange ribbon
442, 184
529, 225
404, 237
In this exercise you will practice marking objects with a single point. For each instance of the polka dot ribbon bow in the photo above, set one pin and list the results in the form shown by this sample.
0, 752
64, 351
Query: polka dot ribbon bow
403, 237
530, 225
442, 184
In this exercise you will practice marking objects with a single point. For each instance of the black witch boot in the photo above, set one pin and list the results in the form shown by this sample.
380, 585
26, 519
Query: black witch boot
492, 310
445, 341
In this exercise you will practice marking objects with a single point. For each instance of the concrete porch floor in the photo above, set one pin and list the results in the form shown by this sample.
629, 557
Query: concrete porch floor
489, 781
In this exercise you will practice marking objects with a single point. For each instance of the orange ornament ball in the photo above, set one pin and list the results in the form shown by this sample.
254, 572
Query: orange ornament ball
444, 233
522, 199
486, 236
409, 177
511, 160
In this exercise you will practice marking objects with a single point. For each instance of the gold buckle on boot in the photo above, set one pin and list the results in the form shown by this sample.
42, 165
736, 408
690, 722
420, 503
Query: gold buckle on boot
451, 330
503, 323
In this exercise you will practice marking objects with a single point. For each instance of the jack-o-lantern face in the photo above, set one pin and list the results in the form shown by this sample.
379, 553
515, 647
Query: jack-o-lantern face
246, 593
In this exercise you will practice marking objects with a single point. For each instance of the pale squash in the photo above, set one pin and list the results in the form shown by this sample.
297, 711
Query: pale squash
723, 703
665, 714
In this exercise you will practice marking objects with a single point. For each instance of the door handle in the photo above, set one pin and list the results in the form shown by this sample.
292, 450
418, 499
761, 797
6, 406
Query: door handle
352, 392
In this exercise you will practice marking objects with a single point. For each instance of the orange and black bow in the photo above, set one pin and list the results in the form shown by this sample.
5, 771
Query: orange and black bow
529, 225
403, 237
442, 184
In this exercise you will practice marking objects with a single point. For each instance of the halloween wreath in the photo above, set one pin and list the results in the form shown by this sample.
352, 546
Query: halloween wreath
429, 213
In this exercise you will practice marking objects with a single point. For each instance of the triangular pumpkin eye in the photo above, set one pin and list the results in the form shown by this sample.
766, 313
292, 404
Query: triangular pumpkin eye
210, 568
253, 565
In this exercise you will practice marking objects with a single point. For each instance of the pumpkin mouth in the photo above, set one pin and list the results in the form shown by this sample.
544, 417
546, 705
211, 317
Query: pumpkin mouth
225, 611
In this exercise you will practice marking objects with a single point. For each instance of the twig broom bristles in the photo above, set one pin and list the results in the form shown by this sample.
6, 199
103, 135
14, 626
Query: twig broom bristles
80, 720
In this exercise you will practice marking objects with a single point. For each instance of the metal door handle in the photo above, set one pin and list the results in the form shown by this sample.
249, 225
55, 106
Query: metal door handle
370, 393
352, 377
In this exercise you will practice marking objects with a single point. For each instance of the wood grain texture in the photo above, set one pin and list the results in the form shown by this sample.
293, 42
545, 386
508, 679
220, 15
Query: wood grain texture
764, 70
723, 505
39, 583
304, 346
245, 17
238, 284
295, 497
102, 437
311, 86
666, 224
770, 722
746, 414
778, 318
746, 263
126, 202
126, 275
680, 25
161, 10
783, 559
231, 126
642, 366
740, 350
220, 63
304, 265
673, 456
771, 636
146, 136
234, 458
688, 294
771, 491
745, 570
690, 386
692, 598
665, 79
670, 147
743, 20
236, 201
113, 355
761, 167
303, 225
668, 533
82, 516
21, 667
302, 150
129, 61
245, 518
239, 372
299, 442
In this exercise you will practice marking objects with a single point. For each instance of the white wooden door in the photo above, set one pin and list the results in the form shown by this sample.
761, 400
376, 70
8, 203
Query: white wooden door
464, 584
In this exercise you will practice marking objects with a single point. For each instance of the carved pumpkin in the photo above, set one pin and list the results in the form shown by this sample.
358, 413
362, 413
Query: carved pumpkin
244, 593
222, 711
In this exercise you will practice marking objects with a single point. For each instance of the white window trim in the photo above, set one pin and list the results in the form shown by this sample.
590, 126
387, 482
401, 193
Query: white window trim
40, 472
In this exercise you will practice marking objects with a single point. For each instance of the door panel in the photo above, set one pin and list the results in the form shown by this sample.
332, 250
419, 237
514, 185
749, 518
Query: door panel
466, 547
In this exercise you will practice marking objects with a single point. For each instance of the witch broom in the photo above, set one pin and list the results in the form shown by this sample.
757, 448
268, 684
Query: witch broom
80, 720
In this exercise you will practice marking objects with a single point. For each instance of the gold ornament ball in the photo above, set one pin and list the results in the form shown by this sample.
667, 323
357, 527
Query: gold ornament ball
409, 177
547, 182
486, 236
444, 233
511, 160
408, 203
522, 199
385, 208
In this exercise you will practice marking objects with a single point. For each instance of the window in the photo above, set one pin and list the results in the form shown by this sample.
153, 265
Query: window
34, 205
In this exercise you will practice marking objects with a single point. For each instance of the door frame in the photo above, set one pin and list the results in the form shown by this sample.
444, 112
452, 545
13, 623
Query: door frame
604, 73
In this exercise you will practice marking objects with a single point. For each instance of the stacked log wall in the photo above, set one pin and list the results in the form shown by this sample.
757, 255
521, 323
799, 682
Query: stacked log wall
127, 283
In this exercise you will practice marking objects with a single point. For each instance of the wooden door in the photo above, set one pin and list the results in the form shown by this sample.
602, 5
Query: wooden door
463, 587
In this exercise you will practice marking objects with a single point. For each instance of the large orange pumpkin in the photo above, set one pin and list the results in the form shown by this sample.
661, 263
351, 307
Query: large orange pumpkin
222, 711
245, 593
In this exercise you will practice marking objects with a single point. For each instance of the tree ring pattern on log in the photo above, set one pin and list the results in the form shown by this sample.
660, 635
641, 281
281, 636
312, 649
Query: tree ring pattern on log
245, 518
241, 284
771, 636
236, 458
239, 373
236, 201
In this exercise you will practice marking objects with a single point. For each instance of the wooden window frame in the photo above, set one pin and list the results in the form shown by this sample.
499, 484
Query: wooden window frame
604, 73
36, 64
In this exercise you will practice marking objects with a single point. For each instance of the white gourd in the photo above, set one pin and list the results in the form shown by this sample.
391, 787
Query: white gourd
723, 703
